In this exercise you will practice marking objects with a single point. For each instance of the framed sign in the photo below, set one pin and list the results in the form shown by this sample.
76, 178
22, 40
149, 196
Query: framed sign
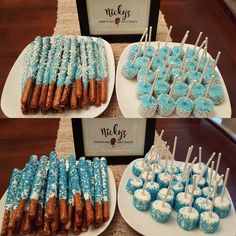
120, 140
118, 20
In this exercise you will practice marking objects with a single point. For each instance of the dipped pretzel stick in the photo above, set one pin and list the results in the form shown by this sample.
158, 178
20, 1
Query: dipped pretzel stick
84, 227
91, 71
11, 192
77, 224
34, 100
76, 189
24, 191
105, 187
62, 190
46, 76
92, 181
32, 71
73, 98
53, 74
85, 101
103, 73
55, 224
78, 74
39, 218
38, 185
86, 190
51, 193
62, 74
70, 72
98, 191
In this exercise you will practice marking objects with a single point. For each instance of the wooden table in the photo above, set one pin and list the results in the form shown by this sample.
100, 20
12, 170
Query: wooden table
22, 20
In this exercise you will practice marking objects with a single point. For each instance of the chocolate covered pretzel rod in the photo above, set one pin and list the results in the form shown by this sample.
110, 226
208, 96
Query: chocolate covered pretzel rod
32, 71
46, 76
62, 186
52, 185
91, 71
38, 185
11, 192
76, 189
24, 192
105, 187
54, 71
72, 65
34, 100
86, 189
39, 218
62, 74
98, 191
102, 70
84, 62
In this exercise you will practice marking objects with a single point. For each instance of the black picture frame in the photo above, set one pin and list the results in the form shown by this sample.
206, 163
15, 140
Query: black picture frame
113, 160
84, 23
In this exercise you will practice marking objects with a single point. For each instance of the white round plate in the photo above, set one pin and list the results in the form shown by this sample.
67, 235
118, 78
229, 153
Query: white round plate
126, 89
143, 223
91, 231
11, 95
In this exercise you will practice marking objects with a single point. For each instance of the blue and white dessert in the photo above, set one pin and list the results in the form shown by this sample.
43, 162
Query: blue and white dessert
142, 89
180, 90
197, 91
216, 94
209, 223
202, 204
166, 105
142, 62
197, 191
143, 75
203, 107
162, 87
153, 188
177, 187
222, 207
177, 51
150, 51
163, 179
157, 63
148, 106
191, 65
133, 51
138, 167
164, 51
187, 219
159, 212
201, 182
182, 200
193, 75
129, 70
184, 107
170, 197
141, 200
133, 184
176, 61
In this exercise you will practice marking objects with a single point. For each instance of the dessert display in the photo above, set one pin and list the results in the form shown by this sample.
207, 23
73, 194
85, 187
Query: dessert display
193, 189
63, 72
54, 195
191, 65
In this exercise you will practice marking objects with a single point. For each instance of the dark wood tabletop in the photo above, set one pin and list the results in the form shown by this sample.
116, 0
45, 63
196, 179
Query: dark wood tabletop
19, 138
22, 20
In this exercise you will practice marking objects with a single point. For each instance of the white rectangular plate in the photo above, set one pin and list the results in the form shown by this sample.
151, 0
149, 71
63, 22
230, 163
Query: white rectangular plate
11, 95
143, 223
92, 231
126, 89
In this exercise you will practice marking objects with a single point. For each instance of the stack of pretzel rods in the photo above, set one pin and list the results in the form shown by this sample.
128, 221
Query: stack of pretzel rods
62, 73
57, 196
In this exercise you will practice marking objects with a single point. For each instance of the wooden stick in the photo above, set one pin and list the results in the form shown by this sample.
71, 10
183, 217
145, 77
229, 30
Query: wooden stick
150, 36
172, 86
187, 181
191, 165
209, 86
189, 152
197, 41
192, 194
168, 189
184, 59
225, 183
136, 55
168, 71
168, 35
204, 71
153, 57
217, 165
173, 152
145, 45
183, 42
158, 48
191, 88
216, 60
211, 174
213, 199
154, 84
198, 50
146, 179
206, 43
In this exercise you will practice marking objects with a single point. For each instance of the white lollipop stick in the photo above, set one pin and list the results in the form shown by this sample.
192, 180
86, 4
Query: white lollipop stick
150, 36
204, 71
154, 169
168, 189
145, 46
211, 174
144, 33
168, 34
190, 149
182, 43
205, 169
225, 183
198, 50
174, 149
217, 60
200, 157
217, 164
136, 55
158, 48
184, 59
206, 40
167, 57
192, 193
146, 179
166, 156
161, 134
187, 181
163, 146
199, 60
172, 86
197, 41
146, 74
191, 165
153, 57
154, 83
191, 88
168, 71
209, 86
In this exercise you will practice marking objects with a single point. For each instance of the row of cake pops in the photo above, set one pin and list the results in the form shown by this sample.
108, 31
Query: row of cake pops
183, 106
190, 189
